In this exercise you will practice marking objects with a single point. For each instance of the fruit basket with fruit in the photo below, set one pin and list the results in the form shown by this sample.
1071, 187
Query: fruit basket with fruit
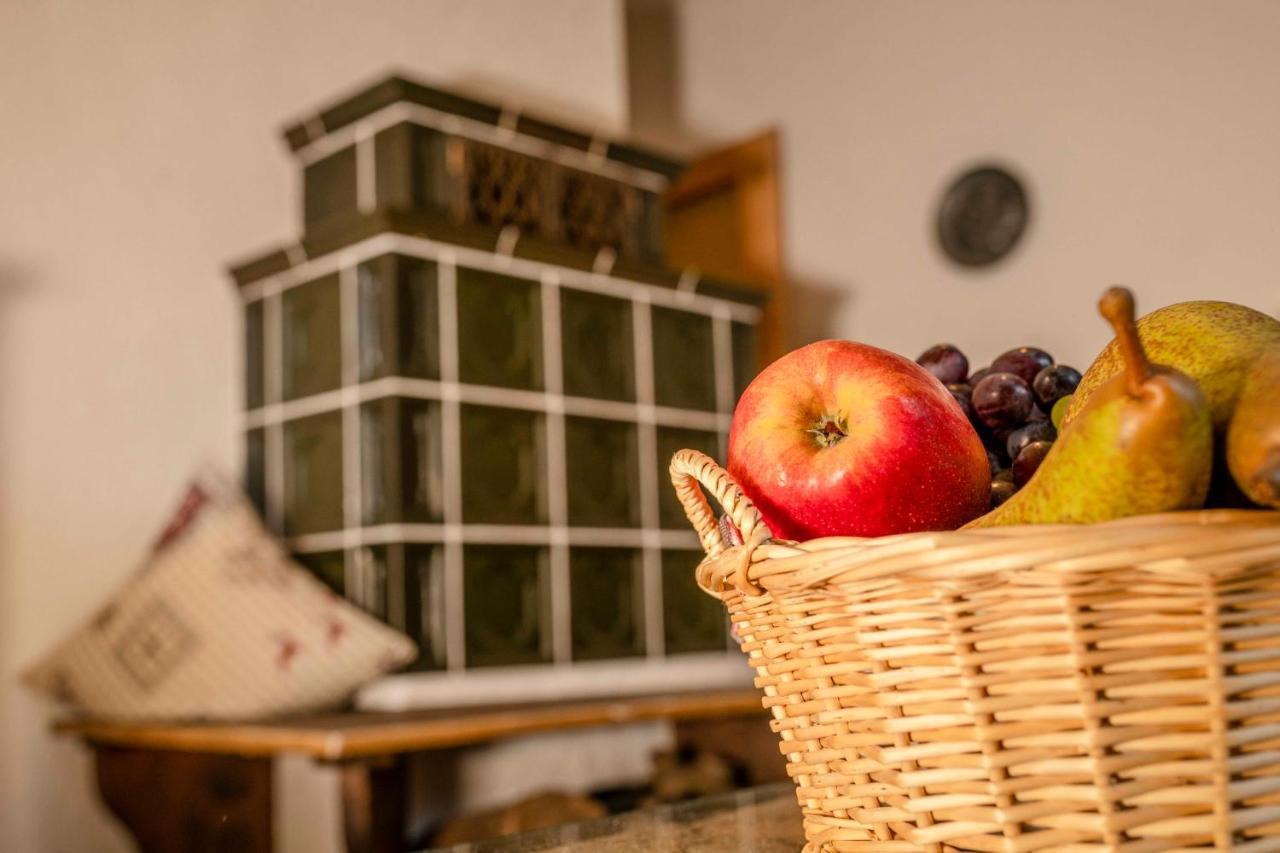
1092, 664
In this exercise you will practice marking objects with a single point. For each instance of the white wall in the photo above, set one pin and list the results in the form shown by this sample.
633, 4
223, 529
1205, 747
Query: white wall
139, 154
1148, 134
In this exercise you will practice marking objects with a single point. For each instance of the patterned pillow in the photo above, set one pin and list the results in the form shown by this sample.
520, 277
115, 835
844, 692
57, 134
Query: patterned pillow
219, 624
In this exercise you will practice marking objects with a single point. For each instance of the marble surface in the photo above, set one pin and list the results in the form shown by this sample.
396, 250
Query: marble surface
759, 820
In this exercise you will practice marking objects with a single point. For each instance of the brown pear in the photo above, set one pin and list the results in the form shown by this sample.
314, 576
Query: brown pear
1253, 437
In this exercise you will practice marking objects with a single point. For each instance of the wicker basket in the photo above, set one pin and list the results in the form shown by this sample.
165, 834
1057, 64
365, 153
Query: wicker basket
1111, 687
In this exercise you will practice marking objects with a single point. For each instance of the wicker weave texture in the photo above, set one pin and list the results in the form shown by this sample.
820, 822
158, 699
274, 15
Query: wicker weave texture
1110, 687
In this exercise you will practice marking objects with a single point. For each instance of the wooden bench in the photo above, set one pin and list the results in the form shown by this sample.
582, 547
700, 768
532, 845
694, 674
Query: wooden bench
208, 786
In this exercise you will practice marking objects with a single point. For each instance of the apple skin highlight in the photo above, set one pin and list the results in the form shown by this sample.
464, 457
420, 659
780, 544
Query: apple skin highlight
844, 439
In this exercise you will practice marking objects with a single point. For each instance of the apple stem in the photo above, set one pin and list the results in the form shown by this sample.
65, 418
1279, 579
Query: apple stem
828, 431
1116, 305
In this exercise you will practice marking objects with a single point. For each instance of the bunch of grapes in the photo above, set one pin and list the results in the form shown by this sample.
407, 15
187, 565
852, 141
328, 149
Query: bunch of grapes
1016, 405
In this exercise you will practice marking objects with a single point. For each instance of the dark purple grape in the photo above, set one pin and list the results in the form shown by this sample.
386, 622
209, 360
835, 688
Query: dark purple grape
978, 375
1036, 415
1002, 401
1055, 382
946, 362
1023, 362
963, 393
1004, 475
1029, 460
993, 461
993, 445
1022, 436
1001, 491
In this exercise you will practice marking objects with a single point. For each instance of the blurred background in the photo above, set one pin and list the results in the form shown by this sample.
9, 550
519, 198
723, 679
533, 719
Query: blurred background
141, 156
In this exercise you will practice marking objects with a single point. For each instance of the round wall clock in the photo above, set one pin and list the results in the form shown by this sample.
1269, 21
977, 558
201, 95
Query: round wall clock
982, 216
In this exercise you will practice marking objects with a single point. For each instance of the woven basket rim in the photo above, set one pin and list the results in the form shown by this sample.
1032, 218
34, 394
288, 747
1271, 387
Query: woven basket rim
1176, 545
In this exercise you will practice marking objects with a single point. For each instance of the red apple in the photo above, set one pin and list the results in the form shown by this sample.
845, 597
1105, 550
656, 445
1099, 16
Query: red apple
843, 439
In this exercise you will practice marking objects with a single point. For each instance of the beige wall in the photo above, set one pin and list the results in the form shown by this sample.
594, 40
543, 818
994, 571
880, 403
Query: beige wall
1147, 132
139, 154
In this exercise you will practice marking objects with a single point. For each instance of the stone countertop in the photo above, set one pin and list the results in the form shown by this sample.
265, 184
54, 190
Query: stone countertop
757, 820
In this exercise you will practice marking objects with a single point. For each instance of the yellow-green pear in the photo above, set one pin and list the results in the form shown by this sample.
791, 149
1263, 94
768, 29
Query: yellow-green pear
1215, 343
1143, 443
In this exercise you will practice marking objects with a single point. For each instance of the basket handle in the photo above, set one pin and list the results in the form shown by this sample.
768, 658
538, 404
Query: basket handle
690, 468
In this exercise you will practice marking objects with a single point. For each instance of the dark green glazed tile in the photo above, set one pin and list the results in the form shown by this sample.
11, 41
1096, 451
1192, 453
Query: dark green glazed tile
506, 605
607, 603
670, 439
692, 620
499, 330
255, 469
684, 369
424, 611
312, 338
399, 318
254, 356
412, 173
329, 567
598, 350
644, 159
602, 472
367, 580
313, 474
261, 266
401, 461
745, 357
651, 228
379, 451
503, 466
531, 126
329, 187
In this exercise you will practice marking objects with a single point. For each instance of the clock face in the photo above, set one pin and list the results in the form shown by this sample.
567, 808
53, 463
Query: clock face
982, 216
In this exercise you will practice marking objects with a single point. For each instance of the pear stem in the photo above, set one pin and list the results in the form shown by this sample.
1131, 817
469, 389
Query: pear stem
1116, 305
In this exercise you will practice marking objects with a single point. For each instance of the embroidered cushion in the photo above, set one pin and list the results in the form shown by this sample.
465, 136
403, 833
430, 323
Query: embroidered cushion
219, 623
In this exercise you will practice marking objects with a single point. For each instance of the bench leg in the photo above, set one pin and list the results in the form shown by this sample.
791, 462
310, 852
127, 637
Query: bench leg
187, 802
374, 805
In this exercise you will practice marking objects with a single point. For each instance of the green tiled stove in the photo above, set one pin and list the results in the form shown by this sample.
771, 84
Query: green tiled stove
463, 385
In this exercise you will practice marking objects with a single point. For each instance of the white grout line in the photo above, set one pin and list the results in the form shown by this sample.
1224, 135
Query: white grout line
427, 249
273, 444
647, 433
451, 442
655, 641
352, 446
484, 395
507, 119
604, 261
349, 358
357, 561
366, 170
689, 278
506, 242
402, 111
557, 474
